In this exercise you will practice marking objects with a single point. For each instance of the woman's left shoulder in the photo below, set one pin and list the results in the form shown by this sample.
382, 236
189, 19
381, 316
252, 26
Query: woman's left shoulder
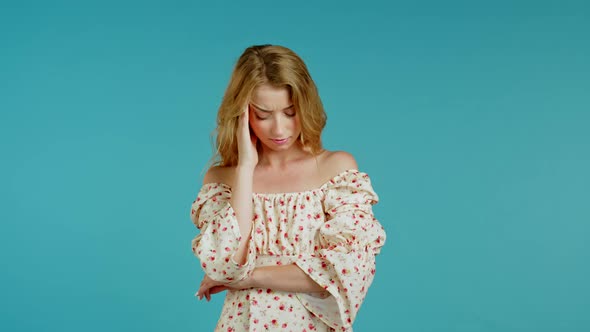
336, 162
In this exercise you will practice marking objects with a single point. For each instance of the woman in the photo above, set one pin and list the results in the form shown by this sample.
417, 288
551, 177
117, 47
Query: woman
286, 227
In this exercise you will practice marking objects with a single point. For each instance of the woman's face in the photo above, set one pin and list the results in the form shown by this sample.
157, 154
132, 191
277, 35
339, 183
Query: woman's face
273, 117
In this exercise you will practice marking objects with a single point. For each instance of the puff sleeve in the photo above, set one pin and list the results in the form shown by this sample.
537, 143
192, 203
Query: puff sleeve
345, 248
219, 235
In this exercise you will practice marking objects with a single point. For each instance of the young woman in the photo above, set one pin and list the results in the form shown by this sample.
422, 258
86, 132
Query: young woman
286, 227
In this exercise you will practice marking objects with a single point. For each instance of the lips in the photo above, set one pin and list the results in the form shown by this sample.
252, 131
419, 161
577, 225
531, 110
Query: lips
280, 141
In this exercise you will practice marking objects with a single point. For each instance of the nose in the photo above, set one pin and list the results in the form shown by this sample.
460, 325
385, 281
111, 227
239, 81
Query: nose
277, 129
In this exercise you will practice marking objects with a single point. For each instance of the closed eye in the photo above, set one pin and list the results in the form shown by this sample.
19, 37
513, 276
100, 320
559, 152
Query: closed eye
290, 111
262, 114
258, 117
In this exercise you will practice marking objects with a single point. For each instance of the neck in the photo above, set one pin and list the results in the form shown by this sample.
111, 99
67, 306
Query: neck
280, 159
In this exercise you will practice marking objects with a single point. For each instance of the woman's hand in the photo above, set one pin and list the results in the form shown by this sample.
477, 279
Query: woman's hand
209, 287
247, 154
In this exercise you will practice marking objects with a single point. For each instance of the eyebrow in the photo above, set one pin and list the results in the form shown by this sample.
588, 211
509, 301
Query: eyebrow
267, 111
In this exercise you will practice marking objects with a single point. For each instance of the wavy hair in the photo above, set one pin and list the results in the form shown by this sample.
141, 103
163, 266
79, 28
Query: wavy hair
279, 67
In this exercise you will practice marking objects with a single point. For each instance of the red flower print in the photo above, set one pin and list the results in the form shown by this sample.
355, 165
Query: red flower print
291, 225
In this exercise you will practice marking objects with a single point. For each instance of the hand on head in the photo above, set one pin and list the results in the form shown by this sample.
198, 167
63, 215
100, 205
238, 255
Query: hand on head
247, 154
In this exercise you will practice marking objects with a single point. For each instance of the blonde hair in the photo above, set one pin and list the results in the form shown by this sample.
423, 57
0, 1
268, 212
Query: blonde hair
279, 67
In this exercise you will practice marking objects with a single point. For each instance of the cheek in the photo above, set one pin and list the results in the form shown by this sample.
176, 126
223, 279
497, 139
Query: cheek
252, 121
257, 127
296, 123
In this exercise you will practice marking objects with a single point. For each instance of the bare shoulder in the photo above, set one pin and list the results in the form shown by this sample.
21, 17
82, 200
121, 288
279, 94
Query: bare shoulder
333, 163
219, 174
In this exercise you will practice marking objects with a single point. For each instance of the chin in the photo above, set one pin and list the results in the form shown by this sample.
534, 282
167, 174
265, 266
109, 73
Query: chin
280, 147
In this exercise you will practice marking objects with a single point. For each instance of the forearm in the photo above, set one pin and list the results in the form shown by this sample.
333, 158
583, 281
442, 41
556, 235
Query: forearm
241, 202
287, 278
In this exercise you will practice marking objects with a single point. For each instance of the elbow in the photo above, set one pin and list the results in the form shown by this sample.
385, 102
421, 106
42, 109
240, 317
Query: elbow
222, 267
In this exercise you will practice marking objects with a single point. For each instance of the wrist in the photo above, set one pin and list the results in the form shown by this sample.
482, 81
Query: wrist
245, 168
255, 278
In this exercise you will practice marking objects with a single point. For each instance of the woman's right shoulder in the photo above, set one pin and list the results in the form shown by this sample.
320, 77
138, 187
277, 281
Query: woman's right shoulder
219, 174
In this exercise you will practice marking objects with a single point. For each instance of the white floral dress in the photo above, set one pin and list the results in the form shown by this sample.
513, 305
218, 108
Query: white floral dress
329, 232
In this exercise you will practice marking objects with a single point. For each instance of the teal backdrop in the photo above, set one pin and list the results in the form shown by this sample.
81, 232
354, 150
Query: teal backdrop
471, 117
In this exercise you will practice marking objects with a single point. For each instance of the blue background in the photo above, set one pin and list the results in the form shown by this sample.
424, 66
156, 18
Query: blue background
471, 117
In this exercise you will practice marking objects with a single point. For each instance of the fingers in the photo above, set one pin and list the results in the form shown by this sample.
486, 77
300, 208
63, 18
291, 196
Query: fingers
209, 287
244, 122
245, 115
245, 110
202, 289
203, 293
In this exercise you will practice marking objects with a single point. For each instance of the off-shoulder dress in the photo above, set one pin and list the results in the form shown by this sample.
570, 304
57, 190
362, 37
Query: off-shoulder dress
329, 232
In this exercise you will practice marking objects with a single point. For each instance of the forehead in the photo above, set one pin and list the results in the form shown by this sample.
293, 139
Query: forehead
268, 96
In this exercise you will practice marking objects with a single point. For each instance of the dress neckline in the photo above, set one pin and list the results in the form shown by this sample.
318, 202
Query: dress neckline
296, 193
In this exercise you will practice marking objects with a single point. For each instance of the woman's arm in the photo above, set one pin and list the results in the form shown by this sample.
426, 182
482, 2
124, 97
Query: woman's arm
241, 202
287, 278
241, 199
241, 182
